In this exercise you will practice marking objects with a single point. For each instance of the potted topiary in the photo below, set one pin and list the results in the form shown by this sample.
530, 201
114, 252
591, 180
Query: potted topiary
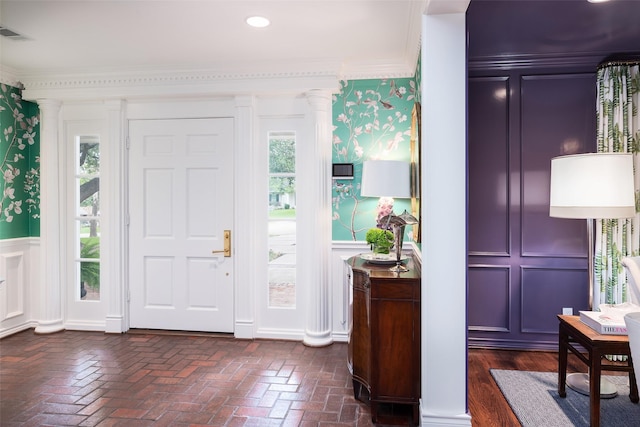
381, 241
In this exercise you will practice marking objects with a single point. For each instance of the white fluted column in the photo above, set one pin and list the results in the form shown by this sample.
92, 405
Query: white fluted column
51, 317
318, 330
244, 167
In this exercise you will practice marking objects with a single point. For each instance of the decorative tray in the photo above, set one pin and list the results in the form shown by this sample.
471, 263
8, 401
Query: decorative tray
382, 258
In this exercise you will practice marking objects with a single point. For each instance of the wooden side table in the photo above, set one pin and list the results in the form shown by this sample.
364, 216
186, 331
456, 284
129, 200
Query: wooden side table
384, 336
572, 331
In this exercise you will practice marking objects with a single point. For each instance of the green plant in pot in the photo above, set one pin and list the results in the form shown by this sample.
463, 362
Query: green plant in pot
381, 241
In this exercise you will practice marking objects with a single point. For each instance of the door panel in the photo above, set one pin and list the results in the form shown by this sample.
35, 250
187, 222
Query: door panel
181, 201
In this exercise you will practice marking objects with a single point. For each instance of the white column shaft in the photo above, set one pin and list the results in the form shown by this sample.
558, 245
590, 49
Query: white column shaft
51, 200
318, 329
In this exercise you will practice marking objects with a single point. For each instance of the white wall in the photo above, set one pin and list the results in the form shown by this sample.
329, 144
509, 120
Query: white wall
444, 267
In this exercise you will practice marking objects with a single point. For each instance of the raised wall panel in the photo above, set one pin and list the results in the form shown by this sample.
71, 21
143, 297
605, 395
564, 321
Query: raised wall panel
12, 290
558, 118
489, 169
546, 291
489, 298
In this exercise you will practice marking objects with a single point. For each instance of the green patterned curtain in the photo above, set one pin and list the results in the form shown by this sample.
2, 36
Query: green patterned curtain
618, 131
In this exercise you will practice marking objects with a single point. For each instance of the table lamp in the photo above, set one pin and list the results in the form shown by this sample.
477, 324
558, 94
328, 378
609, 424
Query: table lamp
390, 179
592, 186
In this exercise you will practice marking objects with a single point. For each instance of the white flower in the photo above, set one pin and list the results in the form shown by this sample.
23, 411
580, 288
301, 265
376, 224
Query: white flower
9, 192
29, 137
8, 175
17, 115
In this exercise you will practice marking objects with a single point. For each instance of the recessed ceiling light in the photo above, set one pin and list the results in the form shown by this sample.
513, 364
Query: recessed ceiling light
258, 21
597, 1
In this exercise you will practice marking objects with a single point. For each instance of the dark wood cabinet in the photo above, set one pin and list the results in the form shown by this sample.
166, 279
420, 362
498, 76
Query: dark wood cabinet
384, 335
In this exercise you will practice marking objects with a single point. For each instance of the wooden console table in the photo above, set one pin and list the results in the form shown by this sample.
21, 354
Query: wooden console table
384, 335
573, 331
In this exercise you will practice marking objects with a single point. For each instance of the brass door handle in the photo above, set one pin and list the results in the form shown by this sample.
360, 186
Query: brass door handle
227, 245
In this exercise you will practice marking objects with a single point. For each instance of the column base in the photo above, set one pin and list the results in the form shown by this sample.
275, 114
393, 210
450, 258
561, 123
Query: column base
318, 339
49, 327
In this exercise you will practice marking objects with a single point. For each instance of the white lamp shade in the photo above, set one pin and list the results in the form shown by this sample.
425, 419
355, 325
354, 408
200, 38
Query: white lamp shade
592, 186
386, 178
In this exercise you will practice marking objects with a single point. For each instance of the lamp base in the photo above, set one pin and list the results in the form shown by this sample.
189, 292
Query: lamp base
580, 382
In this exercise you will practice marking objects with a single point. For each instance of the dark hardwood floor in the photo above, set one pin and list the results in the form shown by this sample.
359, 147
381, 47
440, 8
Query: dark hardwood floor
487, 406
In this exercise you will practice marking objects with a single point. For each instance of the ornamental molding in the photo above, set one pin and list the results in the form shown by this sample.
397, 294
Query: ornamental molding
151, 83
8, 77
150, 79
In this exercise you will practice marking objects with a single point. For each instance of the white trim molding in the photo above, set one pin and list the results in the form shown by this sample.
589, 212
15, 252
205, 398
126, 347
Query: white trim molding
145, 85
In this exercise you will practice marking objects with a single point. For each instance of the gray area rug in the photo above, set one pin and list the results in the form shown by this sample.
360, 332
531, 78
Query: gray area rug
533, 396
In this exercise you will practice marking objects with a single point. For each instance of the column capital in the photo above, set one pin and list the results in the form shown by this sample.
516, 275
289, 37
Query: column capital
49, 104
319, 99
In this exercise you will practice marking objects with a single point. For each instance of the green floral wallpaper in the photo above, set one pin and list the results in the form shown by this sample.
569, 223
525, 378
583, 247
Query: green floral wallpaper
371, 120
19, 165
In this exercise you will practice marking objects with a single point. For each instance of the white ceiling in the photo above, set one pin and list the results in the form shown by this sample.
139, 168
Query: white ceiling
346, 38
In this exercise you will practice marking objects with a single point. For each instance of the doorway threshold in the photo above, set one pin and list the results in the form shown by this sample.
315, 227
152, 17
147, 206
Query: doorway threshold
167, 332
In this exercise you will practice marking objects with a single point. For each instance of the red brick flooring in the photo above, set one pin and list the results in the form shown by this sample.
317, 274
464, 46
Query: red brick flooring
96, 379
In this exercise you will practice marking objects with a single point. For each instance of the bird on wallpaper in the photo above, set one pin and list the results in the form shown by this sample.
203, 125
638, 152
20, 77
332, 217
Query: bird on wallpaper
393, 90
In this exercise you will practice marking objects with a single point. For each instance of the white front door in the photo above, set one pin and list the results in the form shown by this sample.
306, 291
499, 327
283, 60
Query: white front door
180, 204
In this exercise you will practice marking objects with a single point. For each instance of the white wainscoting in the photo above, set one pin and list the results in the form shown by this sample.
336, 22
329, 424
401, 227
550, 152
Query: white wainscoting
17, 265
340, 284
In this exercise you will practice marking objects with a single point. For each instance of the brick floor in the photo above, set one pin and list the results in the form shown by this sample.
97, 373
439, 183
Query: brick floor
95, 379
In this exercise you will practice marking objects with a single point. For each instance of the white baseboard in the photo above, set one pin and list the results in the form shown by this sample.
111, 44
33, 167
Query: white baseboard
434, 420
85, 326
243, 329
15, 329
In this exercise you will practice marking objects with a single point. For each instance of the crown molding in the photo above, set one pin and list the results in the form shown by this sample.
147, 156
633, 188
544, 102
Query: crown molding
184, 82
8, 76
171, 83
508, 62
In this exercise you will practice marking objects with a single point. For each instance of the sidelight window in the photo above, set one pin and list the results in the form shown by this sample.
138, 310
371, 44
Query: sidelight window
87, 221
282, 219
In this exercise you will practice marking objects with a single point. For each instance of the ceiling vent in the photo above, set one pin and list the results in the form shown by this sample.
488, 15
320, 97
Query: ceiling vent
10, 34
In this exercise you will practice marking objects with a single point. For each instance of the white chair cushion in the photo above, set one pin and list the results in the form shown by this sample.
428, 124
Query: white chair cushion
632, 264
632, 320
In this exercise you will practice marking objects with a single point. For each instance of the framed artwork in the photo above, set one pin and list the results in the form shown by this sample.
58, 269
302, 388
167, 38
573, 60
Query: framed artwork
416, 169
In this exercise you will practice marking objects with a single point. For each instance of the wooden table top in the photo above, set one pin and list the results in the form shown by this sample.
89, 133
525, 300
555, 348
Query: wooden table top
574, 322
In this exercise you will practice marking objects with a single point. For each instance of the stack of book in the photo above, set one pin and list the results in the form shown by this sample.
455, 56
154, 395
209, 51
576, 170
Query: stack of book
610, 319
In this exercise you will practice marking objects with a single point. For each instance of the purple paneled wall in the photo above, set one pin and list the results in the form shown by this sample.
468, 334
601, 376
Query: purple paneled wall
532, 96
524, 267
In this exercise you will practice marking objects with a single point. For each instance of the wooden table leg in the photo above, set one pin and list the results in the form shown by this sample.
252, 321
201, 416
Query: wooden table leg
562, 361
595, 359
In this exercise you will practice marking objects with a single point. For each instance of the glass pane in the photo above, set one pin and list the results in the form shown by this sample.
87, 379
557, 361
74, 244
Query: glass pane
282, 220
90, 280
89, 231
89, 189
282, 154
88, 155
89, 259
88, 214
